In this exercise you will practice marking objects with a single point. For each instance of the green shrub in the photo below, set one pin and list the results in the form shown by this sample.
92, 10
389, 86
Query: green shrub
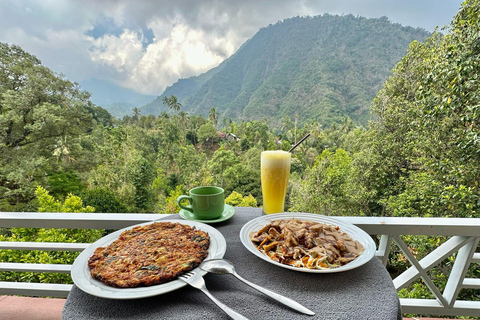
47, 203
64, 182
103, 200
237, 200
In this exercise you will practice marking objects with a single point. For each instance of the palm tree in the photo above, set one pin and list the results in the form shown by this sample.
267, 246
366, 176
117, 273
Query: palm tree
164, 115
287, 123
171, 102
213, 115
295, 128
136, 114
183, 119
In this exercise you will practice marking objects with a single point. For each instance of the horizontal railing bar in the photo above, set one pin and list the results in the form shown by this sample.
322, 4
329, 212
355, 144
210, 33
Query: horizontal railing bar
43, 246
416, 226
471, 283
372, 225
35, 267
35, 289
430, 306
74, 220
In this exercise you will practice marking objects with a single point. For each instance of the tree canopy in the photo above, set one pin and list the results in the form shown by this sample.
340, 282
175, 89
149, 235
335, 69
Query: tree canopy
426, 136
38, 109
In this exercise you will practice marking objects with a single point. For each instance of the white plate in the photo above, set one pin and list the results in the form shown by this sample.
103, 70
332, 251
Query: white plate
353, 231
82, 278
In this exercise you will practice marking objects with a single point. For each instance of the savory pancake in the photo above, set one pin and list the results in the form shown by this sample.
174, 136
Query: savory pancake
149, 255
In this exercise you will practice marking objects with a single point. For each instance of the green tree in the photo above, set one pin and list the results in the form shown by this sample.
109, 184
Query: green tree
47, 203
327, 187
171, 102
103, 200
37, 108
136, 115
142, 178
221, 160
287, 124
207, 134
428, 126
213, 116
170, 203
63, 183
243, 180
118, 155
101, 115
189, 164
159, 183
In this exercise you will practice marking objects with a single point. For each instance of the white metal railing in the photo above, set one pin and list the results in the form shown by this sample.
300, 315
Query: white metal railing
464, 236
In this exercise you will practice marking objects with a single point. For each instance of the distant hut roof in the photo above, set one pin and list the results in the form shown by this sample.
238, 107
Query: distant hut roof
222, 135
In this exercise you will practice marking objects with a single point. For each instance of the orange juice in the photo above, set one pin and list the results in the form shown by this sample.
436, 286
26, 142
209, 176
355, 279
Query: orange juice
275, 172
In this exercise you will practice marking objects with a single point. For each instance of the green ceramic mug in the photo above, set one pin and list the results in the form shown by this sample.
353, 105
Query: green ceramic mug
204, 202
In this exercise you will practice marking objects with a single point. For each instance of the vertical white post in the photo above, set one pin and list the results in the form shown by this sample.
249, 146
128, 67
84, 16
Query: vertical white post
384, 247
422, 272
459, 270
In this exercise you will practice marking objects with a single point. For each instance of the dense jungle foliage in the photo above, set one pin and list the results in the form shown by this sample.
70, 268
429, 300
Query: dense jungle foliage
418, 157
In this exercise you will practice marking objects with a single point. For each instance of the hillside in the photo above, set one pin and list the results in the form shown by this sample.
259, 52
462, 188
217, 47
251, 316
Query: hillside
322, 68
182, 89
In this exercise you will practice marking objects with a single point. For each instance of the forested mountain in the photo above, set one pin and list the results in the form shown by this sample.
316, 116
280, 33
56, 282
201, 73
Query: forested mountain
182, 89
322, 68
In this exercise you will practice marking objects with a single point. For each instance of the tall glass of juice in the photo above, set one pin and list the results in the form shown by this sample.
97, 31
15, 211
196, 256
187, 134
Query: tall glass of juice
275, 172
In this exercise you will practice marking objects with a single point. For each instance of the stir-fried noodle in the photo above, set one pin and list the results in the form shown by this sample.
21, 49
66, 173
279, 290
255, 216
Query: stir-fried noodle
306, 244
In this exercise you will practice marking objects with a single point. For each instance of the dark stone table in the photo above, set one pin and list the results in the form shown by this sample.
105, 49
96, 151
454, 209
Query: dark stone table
366, 292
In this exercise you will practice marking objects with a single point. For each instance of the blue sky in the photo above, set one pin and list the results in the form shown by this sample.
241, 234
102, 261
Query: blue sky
148, 45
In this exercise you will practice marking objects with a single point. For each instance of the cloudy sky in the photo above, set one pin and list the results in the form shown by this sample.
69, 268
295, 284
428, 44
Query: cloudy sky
148, 45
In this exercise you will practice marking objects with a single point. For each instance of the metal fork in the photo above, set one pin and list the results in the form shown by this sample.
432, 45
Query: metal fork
196, 281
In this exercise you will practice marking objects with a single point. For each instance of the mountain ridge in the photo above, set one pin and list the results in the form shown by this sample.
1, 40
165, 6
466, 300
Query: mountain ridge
323, 68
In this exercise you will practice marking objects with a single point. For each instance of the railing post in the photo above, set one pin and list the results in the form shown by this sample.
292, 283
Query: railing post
431, 260
459, 270
422, 272
384, 248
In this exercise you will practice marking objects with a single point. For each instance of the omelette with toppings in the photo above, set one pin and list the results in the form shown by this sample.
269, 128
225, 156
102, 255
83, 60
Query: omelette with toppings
150, 254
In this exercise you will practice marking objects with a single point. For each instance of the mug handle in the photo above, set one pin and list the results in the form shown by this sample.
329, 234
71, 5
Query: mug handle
189, 199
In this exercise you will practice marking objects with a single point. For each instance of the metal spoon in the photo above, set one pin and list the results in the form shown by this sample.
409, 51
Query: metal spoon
223, 266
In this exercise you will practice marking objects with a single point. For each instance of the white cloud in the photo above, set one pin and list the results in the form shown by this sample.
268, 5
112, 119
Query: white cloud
190, 36
122, 52
178, 51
